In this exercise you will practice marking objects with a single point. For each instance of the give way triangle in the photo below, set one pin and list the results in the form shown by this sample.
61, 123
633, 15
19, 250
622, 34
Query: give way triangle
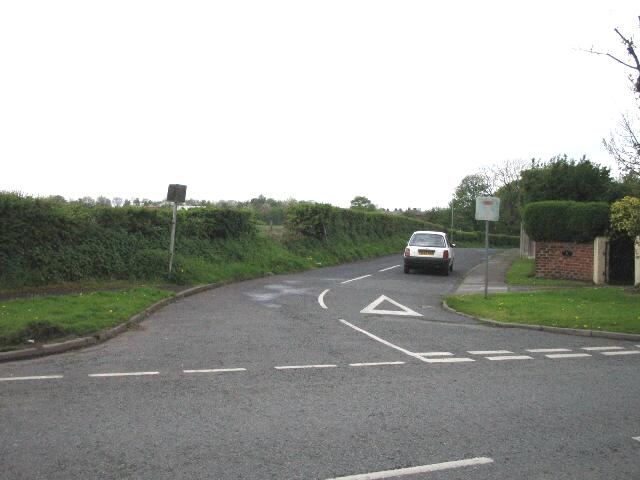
404, 311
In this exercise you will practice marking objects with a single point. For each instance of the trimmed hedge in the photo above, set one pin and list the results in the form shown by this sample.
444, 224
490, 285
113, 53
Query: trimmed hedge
44, 241
324, 222
566, 221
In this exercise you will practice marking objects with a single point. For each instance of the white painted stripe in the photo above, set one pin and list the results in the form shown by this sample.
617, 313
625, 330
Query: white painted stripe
567, 355
636, 438
511, 357
487, 352
548, 350
448, 360
292, 367
216, 370
436, 354
602, 348
385, 269
374, 364
36, 377
623, 352
434, 467
123, 374
321, 299
384, 342
354, 279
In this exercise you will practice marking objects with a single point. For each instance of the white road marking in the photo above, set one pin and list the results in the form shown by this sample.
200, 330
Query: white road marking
293, 367
123, 374
389, 268
602, 348
448, 360
374, 364
321, 299
434, 467
384, 342
36, 377
354, 279
436, 354
567, 355
548, 350
510, 357
216, 370
636, 438
487, 352
623, 352
404, 312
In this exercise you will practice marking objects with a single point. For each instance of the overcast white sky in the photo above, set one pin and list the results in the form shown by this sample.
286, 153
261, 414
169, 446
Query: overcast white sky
316, 100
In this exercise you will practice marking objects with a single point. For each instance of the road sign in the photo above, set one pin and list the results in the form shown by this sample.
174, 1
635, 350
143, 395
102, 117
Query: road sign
488, 208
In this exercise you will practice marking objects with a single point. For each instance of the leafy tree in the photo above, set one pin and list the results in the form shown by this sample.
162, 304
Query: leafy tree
565, 179
464, 200
362, 203
625, 216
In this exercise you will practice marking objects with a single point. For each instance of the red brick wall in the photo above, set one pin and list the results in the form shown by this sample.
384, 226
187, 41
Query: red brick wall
575, 264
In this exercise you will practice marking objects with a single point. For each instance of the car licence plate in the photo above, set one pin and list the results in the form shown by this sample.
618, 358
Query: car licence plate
426, 252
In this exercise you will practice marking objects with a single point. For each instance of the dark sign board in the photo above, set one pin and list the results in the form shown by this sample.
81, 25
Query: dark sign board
177, 193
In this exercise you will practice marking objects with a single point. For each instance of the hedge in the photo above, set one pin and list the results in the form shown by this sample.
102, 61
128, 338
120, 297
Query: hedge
566, 221
44, 241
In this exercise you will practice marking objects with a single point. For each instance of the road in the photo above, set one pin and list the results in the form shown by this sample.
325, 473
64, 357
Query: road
258, 380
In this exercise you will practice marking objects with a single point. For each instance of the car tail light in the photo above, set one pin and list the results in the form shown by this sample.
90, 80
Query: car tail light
445, 254
407, 252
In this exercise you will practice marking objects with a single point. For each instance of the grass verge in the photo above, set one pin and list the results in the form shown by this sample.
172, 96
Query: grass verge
522, 272
44, 318
612, 309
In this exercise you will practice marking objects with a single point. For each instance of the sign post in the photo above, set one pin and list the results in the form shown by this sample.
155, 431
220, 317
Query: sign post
487, 209
176, 194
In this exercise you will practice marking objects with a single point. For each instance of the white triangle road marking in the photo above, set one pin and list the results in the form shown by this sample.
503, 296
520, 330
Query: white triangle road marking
404, 312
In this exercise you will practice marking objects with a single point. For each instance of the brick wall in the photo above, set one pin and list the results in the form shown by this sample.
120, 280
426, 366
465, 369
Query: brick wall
570, 261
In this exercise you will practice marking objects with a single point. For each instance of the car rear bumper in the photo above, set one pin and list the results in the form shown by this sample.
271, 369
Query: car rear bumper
426, 262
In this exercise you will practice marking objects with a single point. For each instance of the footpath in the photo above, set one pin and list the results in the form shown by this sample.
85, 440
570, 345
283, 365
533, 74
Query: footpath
499, 264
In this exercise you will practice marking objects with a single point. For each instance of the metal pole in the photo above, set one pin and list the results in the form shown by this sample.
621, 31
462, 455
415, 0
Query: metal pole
451, 221
173, 235
486, 266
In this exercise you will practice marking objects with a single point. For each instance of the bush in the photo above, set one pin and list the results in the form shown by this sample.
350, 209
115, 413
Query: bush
566, 221
625, 216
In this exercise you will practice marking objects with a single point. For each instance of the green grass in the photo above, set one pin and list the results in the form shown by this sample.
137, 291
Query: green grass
612, 309
522, 272
48, 317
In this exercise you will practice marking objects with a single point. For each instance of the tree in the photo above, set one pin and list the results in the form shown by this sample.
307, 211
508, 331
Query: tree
505, 180
464, 200
566, 179
103, 201
624, 144
362, 203
625, 216
117, 202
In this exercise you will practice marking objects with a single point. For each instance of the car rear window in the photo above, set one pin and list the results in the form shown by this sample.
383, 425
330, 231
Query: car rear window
427, 240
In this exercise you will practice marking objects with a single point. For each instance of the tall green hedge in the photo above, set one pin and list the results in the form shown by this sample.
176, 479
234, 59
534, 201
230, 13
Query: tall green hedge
43, 241
566, 221
325, 222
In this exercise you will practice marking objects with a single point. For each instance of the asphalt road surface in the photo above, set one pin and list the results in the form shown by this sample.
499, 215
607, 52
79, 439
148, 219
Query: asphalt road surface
258, 380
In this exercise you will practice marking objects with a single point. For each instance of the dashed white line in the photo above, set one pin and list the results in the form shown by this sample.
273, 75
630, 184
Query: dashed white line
35, 377
374, 364
622, 352
487, 352
216, 370
434, 467
354, 279
448, 360
548, 350
294, 367
567, 355
383, 341
510, 357
389, 268
123, 374
321, 299
436, 354
602, 348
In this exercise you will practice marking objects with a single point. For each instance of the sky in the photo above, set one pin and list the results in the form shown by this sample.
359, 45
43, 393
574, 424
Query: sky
312, 100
